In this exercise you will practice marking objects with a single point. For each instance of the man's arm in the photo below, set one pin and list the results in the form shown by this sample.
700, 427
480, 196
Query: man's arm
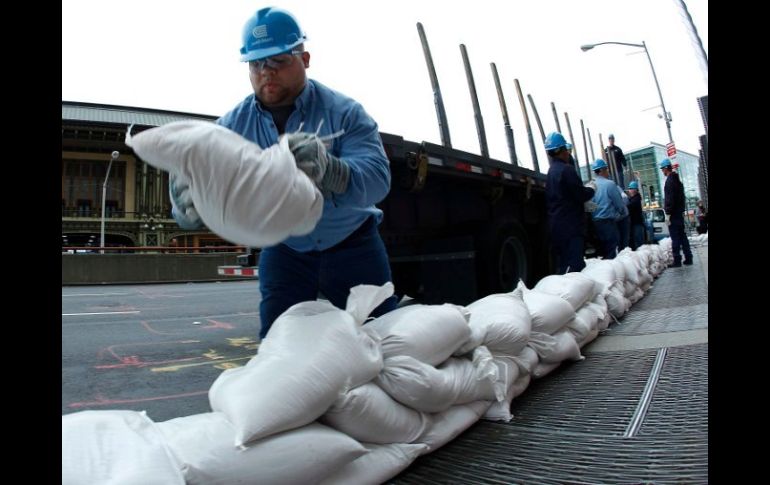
361, 149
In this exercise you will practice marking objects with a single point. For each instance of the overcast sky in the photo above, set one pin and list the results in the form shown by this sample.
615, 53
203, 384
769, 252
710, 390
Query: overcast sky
182, 55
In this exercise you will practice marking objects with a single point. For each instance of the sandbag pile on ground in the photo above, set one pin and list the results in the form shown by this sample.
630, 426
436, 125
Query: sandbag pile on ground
313, 353
245, 194
329, 399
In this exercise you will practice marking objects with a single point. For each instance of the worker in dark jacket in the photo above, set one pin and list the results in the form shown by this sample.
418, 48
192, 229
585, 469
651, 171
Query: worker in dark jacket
635, 215
673, 197
565, 197
613, 152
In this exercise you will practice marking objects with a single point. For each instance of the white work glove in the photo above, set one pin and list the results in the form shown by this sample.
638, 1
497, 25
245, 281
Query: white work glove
591, 183
328, 172
668, 220
590, 206
182, 209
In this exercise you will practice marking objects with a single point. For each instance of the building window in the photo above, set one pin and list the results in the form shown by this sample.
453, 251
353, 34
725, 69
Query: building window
84, 208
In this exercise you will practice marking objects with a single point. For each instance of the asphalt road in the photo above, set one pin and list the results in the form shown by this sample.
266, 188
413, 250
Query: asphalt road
156, 348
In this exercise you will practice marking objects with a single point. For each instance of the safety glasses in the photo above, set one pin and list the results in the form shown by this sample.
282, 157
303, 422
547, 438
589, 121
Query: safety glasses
275, 62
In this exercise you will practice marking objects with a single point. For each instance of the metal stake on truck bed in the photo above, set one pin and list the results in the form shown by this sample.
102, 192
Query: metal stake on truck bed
437, 100
475, 101
574, 147
527, 125
556, 118
537, 117
585, 147
506, 121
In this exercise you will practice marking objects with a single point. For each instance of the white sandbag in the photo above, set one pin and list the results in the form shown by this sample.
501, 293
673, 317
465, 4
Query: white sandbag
645, 280
602, 271
423, 387
368, 414
584, 322
589, 338
416, 384
474, 381
447, 425
429, 333
204, 442
382, 463
543, 369
245, 194
500, 322
555, 348
617, 303
575, 288
620, 269
115, 447
501, 410
549, 313
526, 360
636, 296
629, 288
631, 267
312, 354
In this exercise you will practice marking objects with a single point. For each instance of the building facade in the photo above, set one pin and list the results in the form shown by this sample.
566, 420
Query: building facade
137, 210
644, 162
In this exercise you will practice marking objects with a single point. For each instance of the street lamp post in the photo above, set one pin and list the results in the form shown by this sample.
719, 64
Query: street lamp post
114, 157
666, 115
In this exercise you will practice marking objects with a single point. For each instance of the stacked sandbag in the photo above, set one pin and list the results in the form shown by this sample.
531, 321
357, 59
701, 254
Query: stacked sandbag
381, 463
313, 353
115, 447
501, 322
429, 333
329, 400
308, 454
610, 278
246, 195
633, 272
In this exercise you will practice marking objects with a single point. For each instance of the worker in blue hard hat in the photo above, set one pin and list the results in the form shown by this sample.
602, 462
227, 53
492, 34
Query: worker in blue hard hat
337, 144
635, 215
674, 205
565, 198
613, 152
610, 209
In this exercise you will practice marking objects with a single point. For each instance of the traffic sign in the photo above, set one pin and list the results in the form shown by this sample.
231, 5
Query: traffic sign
670, 149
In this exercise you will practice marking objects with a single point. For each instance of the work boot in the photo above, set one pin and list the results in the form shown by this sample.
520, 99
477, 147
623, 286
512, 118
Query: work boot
687, 262
677, 264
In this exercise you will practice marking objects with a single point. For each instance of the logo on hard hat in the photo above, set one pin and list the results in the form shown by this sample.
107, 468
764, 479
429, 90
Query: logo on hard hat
259, 31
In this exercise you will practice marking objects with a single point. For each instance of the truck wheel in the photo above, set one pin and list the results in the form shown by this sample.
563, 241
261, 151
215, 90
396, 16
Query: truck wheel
504, 259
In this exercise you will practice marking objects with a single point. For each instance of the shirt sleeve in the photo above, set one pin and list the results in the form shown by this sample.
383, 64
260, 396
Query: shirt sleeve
361, 148
573, 187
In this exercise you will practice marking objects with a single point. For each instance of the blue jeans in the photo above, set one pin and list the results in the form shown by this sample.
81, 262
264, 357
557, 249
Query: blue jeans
607, 233
288, 277
569, 254
637, 236
679, 241
624, 229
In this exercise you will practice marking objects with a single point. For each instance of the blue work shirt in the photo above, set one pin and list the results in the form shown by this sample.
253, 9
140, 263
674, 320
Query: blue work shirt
360, 146
609, 200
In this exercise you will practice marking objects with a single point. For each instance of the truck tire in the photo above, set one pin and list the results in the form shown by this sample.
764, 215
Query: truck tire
504, 257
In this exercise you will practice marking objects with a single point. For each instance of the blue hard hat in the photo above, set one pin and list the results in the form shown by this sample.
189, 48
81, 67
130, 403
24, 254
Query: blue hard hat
269, 32
633, 185
555, 140
611, 137
598, 164
665, 163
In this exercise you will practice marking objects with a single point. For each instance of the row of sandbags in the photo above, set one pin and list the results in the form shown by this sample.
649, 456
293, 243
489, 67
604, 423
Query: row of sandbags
330, 400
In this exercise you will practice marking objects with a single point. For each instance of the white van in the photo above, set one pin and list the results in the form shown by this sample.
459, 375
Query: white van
655, 220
